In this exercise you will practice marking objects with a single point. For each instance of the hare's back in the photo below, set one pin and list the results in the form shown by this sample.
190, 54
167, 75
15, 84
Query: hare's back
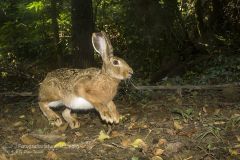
66, 74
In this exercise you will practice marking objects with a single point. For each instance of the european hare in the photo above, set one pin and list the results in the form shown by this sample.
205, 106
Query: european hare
81, 89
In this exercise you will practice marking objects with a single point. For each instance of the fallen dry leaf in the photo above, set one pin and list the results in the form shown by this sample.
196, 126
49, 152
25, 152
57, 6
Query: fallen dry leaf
188, 132
60, 145
79, 134
102, 136
237, 146
33, 110
116, 134
216, 112
219, 123
238, 138
171, 132
134, 158
22, 116
234, 152
177, 125
162, 141
139, 143
173, 147
27, 139
158, 151
178, 101
3, 157
126, 143
21, 128
156, 158
133, 118
132, 125
124, 117
144, 126
18, 124
204, 109
51, 155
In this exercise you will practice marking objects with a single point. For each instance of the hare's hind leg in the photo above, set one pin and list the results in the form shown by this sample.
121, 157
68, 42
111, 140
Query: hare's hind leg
50, 114
72, 121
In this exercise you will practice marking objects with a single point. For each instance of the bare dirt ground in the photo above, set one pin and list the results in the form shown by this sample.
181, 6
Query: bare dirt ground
169, 126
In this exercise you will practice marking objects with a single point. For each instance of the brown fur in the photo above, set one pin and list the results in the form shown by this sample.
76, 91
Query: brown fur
94, 85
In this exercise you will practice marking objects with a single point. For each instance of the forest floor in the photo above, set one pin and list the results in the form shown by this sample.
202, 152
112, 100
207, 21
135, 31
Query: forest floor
166, 125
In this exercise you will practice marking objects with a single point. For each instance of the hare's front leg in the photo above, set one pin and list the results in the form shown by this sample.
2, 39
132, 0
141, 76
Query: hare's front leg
50, 114
113, 111
104, 112
72, 121
108, 112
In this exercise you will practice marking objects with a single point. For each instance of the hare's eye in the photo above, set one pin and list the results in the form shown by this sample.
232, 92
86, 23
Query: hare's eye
115, 62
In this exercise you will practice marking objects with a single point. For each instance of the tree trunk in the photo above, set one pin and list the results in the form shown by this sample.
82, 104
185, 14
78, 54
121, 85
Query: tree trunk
55, 29
216, 18
82, 28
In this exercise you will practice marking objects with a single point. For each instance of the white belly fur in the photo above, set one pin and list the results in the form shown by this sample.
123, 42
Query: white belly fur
77, 103
56, 104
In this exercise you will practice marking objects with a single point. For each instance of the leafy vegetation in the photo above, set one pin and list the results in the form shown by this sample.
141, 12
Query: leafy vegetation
196, 40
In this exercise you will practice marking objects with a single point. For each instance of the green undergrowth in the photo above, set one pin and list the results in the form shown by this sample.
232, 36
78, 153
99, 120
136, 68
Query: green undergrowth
217, 70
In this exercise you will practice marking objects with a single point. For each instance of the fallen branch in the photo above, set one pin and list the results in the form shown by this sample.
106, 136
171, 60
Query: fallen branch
22, 94
49, 138
190, 87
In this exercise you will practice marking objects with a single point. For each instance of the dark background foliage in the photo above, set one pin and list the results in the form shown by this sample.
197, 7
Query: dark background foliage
177, 41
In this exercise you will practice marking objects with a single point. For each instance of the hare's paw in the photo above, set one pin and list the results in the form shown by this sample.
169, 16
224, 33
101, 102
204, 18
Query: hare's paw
116, 117
106, 115
107, 118
71, 120
55, 119
74, 124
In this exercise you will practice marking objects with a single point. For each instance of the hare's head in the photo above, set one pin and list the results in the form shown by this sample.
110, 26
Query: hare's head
112, 65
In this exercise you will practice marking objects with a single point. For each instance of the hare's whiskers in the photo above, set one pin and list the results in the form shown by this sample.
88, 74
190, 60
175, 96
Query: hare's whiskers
131, 82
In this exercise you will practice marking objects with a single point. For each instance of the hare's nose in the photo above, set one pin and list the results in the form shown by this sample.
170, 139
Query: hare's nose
130, 72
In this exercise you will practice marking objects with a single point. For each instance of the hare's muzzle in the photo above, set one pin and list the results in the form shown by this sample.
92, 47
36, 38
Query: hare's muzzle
130, 73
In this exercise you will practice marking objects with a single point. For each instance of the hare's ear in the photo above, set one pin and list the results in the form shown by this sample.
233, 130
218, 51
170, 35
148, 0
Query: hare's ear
102, 45
109, 45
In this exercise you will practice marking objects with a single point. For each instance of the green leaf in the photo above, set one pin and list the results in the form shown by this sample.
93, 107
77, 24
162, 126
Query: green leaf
36, 6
